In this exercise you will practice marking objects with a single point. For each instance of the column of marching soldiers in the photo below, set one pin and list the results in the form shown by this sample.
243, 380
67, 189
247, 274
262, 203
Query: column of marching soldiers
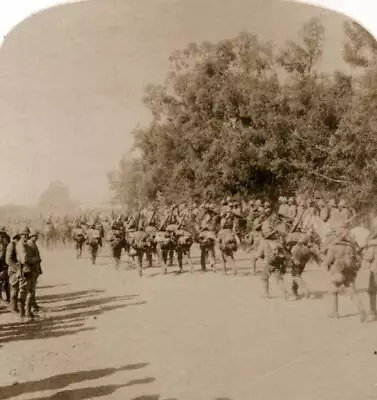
279, 238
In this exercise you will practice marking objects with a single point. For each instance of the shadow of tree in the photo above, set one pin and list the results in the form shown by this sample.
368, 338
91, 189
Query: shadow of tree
62, 322
61, 381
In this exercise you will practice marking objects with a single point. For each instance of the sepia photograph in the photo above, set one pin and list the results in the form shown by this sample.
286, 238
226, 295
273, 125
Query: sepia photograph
188, 207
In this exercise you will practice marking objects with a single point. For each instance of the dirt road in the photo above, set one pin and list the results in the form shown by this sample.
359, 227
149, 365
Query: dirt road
112, 335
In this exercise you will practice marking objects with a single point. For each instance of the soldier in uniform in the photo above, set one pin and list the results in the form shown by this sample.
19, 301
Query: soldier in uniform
271, 251
93, 239
14, 272
78, 236
207, 239
24, 259
343, 264
4, 277
35, 266
302, 252
228, 246
117, 244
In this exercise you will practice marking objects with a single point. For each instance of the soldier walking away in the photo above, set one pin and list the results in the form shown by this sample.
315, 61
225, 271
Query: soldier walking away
273, 254
343, 265
78, 236
117, 244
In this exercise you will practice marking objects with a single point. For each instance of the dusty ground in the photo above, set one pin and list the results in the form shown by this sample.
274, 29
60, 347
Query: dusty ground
109, 334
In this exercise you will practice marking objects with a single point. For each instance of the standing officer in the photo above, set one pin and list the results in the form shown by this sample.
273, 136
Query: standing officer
36, 267
24, 259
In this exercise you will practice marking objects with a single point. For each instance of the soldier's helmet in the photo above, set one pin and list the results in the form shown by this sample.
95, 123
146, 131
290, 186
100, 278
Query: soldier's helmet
25, 231
2, 230
291, 200
33, 233
284, 200
280, 199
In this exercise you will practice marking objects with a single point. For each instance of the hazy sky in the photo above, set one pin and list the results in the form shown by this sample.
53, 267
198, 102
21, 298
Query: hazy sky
72, 78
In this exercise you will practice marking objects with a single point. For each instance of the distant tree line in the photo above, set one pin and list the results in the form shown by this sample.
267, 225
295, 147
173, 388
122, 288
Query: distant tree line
242, 117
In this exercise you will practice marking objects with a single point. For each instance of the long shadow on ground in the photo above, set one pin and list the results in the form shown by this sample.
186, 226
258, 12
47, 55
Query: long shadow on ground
61, 381
68, 319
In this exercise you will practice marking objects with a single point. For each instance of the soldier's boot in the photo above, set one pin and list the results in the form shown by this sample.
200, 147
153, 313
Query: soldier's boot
29, 306
180, 261
203, 259
355, 297
295, 288
13, 305
266, 288
335, 306
254, 265
140, 264
34, 305
7, 292
234, 266
150, 259
191, 264
373, 306
171, 257
21, 308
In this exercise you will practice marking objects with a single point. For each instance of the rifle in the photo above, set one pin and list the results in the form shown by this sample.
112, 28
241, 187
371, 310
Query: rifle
165, 222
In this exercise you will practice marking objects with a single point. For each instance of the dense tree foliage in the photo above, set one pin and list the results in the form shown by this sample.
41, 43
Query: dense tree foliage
242, 117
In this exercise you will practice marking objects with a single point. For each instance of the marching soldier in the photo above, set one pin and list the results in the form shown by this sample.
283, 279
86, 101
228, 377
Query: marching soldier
273, 254
343, 264
78, 236
93, 239
117, 244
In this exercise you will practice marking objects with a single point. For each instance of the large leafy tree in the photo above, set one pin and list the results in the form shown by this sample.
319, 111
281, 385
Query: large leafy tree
241, 117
